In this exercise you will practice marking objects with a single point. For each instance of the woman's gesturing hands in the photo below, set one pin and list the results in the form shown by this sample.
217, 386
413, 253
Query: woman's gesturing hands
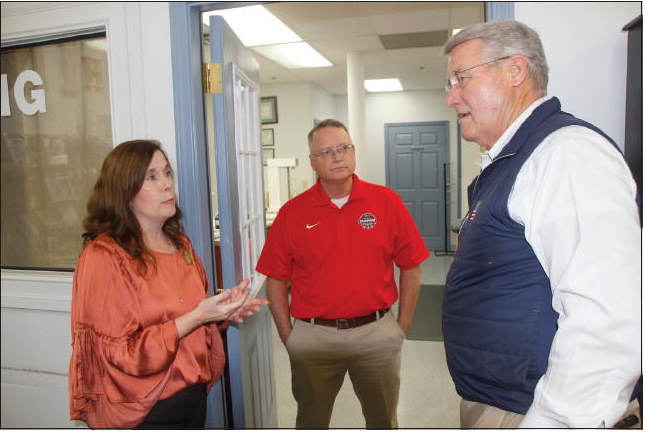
243, 305
232, 304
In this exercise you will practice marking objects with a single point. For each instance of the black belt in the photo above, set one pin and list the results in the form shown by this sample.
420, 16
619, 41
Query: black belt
343, 324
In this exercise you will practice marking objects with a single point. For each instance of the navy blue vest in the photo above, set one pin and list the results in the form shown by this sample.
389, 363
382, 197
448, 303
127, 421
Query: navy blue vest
498, 323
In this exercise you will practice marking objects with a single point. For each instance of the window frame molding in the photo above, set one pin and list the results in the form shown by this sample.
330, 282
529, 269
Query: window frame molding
23, 23
36, 290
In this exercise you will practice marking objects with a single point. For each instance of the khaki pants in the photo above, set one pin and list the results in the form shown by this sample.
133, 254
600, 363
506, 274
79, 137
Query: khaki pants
476, 415
321, 356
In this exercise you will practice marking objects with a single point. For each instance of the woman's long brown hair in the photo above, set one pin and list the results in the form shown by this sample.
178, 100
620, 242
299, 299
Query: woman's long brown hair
108, 208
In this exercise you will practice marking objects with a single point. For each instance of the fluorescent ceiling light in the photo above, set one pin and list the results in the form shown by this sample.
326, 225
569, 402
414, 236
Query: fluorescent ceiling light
293, 55
255, 25
383, 85
260, 30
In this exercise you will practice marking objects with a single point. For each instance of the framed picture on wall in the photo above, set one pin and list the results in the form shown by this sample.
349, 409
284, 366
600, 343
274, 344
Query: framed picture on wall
269, 109
267, 153
267, 137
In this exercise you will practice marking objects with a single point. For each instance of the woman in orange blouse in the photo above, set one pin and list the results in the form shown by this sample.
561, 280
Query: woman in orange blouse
145, 344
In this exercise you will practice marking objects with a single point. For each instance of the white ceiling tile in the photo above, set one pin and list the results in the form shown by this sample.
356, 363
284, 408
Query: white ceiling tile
336, 28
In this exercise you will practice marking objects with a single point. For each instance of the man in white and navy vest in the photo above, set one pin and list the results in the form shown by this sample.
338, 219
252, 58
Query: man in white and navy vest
542, 306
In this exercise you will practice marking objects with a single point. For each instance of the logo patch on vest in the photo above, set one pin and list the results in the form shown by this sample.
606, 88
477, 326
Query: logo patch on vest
473, 214
367, 221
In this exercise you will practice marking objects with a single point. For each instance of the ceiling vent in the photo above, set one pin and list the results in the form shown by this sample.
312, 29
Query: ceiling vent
414, 40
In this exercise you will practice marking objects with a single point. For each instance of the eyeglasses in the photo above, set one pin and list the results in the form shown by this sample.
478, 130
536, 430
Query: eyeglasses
342, 150
456, 81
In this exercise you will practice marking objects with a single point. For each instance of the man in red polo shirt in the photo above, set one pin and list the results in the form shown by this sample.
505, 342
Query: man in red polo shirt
333, 249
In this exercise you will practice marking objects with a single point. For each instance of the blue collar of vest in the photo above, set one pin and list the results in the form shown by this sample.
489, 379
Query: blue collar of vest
539, 115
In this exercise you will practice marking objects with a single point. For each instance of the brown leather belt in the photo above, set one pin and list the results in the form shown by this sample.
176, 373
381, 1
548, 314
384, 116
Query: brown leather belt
344, 324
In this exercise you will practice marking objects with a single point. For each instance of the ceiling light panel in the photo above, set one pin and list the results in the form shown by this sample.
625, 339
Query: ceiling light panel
255, 25
293, 55
383, 85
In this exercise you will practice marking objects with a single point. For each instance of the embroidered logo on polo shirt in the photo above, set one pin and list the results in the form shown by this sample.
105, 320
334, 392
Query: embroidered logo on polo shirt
367, 220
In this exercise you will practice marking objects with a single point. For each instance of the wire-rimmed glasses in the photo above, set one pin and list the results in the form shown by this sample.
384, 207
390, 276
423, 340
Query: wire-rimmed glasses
456, 80
342, 150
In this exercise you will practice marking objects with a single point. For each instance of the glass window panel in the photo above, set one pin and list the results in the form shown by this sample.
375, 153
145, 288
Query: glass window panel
56, 131
249, 165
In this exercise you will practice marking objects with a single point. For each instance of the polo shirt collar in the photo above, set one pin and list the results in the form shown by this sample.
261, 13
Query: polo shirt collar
319, 196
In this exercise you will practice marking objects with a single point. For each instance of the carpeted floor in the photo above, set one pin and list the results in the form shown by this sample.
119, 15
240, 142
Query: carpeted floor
426, 324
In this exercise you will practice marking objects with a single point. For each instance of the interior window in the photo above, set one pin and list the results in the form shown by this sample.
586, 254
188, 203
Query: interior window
56, 131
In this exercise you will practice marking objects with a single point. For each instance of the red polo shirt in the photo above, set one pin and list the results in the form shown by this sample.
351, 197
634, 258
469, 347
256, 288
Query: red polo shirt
340, 261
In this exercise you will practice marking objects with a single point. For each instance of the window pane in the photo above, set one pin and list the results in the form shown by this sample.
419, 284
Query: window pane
249, 168
56, 130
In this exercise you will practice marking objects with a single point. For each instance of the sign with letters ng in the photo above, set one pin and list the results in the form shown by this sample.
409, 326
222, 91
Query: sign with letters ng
55, 130
28, 93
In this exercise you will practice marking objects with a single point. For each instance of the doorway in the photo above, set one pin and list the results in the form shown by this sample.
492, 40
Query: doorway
195, 198
226, 159
417, 169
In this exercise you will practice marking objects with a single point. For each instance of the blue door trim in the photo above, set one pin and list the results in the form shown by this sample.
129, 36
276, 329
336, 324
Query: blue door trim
499, 10
185, 38
192, 161
192, 158
193, 181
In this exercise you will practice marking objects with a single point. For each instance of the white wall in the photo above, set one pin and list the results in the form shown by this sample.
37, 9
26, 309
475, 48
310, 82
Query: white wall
295, 120
417, 106
586, 51
35, 305
323, 104
299, 104
401, 107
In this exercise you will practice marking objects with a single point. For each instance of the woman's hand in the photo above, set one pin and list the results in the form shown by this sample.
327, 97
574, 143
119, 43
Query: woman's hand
232, 304
220, 307
249, 307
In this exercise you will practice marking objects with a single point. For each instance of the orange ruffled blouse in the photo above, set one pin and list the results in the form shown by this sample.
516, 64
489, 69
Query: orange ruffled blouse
126, 352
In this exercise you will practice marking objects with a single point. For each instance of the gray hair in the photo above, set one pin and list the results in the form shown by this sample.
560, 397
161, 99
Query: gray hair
506, 38
324, 124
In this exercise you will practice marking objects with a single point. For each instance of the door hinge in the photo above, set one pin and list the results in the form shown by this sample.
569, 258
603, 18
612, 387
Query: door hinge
212, 77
